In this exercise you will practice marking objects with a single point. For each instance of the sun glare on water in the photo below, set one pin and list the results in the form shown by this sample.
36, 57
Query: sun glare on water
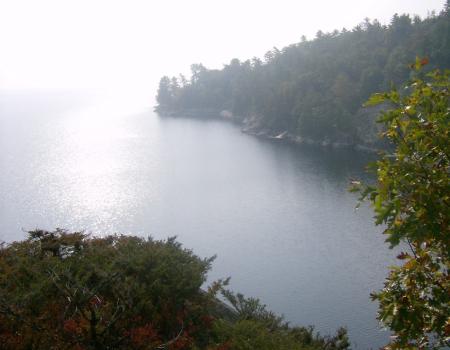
95, 161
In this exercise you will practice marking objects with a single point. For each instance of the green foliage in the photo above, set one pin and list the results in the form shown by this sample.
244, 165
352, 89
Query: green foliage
315, 88
61, 290
165, 95
411, 200
65, 290
258, 328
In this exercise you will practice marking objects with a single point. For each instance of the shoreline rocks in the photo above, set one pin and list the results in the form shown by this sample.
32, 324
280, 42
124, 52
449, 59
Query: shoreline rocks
251, 125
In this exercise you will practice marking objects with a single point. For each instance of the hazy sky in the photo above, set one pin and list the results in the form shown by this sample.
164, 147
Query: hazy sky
129, 44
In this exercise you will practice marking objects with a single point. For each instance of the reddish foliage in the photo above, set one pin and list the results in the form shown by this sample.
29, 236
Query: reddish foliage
9, 340
96, 301
183, 342
71, 326
143, 335
402, 256
208, 321
424, 61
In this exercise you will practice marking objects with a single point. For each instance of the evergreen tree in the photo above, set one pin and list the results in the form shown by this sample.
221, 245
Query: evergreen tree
164, 96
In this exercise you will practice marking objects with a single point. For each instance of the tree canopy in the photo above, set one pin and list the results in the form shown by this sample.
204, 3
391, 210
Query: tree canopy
315, 88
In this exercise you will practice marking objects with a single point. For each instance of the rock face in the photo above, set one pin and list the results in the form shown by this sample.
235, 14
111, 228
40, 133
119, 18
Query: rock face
226, 114
189, 113
366, 138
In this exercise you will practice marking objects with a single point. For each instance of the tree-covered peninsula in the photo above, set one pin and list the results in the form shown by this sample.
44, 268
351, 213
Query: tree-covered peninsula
313, 91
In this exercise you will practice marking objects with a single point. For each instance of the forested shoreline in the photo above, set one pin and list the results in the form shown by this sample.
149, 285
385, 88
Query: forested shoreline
313, 91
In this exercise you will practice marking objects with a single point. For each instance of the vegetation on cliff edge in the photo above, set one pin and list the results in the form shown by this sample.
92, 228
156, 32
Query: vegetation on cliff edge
61, 290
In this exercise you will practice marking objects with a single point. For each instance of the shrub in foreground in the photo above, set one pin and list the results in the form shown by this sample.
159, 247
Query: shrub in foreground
68, 290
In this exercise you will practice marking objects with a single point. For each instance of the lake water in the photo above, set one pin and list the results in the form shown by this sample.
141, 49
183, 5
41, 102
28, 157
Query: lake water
278, 217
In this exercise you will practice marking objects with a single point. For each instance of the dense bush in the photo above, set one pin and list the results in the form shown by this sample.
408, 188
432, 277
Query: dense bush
258, 328
61, 290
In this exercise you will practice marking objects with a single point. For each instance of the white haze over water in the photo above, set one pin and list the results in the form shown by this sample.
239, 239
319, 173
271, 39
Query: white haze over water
126, 46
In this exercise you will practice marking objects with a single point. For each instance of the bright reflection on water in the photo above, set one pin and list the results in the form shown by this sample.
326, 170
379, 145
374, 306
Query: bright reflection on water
279, 217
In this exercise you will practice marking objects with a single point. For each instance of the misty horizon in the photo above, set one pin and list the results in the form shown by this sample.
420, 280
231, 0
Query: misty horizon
107, 46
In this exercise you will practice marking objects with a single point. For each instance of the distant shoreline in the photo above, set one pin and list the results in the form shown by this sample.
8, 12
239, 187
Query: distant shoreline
249, 126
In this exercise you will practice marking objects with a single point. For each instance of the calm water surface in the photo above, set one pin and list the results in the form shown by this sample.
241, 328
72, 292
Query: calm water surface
279, 217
